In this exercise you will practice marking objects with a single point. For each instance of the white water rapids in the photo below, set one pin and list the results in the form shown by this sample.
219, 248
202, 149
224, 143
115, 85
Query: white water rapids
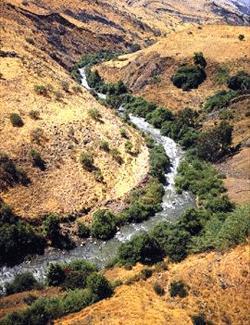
100, 252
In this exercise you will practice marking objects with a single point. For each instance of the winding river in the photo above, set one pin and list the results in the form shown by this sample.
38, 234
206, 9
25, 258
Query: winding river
101, 252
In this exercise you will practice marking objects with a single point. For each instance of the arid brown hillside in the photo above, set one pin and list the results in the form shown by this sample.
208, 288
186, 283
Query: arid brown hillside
218, 289
193, 11
68, 29
148, 72
61, 127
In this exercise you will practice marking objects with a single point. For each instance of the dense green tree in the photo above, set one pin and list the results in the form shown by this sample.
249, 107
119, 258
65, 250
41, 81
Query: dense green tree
22, 282
103, 225
99, 285
215, 143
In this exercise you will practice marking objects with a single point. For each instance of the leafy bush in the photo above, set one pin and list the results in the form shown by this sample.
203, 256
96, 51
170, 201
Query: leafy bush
219, 204
41, 90
193, 221
137, 212
22, 282
123, 133
219, 100
241, 81
65, 85
10, 174
200, 60
99, 285
87, 161
222, 75
173, 239
35, 115
138, 106
37, 160
94, 114
188, 77
141, 248
143, 203
16, 120
44, 310
6, 214
128, 146
17, 241
200, 178
159, 116
235, 229
159, 163
104, 145
51, 227
103, 225
116, 155
183, 128
83, 231
55, 275
226, 115
213, 144
178, 288
70, 275
158, 289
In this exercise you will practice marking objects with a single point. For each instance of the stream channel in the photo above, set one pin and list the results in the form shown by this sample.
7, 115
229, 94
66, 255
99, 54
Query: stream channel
102, 252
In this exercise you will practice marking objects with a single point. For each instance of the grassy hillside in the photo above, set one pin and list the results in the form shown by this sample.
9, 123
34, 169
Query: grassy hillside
218, 285
148, 72
57, 125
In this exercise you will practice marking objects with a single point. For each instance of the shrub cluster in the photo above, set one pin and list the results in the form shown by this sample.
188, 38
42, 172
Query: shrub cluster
22, 282
143, 203
77, 274
189, 77
72, 275
178, 288
159, 163
241, 81
87, 161
219, 100
16, 120
83, 231
37, 160
141, 248
10, 174
215, 143
17, 238
103, 224
52, 232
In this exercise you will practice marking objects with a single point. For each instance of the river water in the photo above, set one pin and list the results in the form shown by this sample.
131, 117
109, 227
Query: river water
102, 252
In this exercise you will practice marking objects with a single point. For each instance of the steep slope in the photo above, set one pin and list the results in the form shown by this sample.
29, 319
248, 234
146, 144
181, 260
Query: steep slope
57, 124
169, 15
218, 289
67, 30
148, 72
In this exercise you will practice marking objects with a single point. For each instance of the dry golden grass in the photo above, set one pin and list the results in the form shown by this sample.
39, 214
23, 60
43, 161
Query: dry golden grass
218, 288
219, 44
18, 301
64, 187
